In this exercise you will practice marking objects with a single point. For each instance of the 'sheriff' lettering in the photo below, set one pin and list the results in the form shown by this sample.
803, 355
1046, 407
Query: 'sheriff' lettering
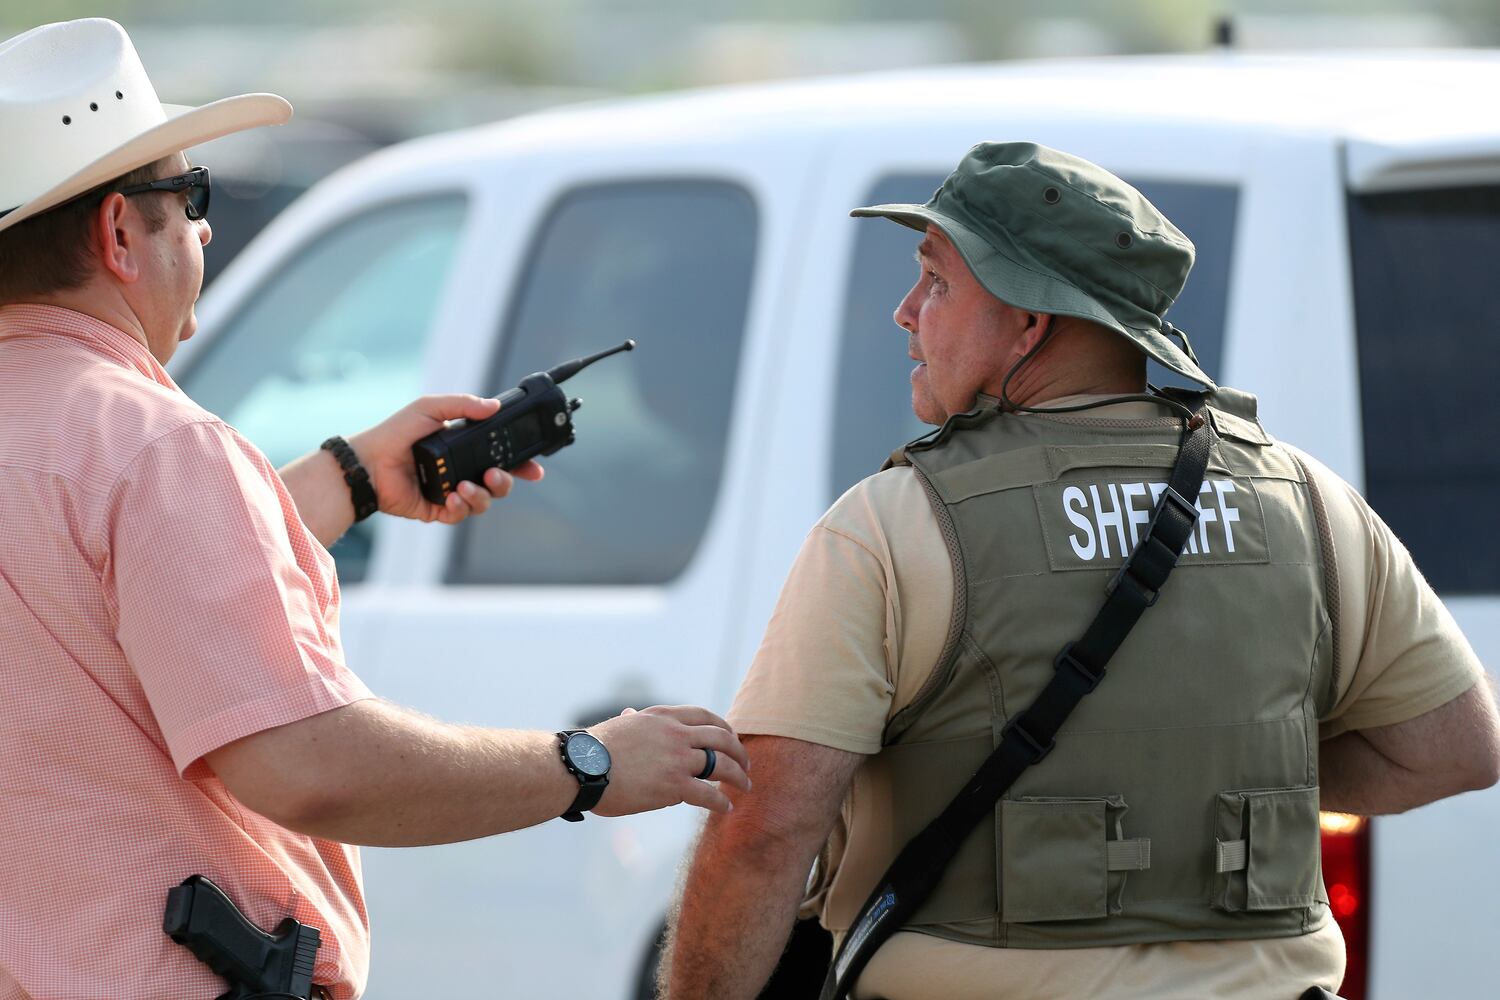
1106, 515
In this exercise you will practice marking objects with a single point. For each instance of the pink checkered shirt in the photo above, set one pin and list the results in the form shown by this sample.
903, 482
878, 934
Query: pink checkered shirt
159, 598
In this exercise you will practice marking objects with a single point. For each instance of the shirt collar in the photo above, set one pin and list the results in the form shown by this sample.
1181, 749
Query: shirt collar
43, 322
1126, 410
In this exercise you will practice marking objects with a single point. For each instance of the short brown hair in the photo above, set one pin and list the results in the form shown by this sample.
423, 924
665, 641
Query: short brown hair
53, 251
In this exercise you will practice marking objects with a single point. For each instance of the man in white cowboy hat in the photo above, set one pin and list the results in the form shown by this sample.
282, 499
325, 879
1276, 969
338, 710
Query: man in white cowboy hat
176, 697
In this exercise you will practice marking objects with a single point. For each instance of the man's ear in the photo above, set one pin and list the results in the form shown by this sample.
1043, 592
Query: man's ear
1038, 326
115, 235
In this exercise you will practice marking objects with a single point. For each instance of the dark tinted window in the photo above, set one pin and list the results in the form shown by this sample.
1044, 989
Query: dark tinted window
1427, 314
332, 343
874, 391
668, 264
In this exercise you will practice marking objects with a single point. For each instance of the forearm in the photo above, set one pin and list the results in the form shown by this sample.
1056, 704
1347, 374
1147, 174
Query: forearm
732, 922
317, 486
1452, 749
749, 870
380, 775
1355, 777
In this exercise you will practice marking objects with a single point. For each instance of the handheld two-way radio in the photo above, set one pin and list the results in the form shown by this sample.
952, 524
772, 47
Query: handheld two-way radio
535, 419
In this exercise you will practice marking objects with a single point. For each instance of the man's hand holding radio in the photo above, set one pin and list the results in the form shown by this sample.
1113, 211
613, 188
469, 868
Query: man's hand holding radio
658, 754
317, 484
385, 451
415, 451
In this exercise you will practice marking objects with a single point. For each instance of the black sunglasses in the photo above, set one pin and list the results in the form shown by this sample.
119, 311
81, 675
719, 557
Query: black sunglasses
195, 182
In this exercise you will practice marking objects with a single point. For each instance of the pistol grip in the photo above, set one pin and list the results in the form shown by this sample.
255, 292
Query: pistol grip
201, 918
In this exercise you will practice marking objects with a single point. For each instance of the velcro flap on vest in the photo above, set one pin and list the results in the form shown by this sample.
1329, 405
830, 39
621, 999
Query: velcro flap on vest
1230, 426
1231, 855
1129, 855
1234, 415
1267, 849
1058, 860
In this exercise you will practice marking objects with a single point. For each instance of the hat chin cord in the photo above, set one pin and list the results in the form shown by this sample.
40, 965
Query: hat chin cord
1151, 395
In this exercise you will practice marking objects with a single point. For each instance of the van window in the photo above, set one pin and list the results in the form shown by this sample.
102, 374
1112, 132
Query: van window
333, 342
874, 390
1426, 313
668, 264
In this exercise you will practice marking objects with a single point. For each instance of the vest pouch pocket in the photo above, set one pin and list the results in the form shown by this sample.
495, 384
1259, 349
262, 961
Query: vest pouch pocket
1266, 849
1055, 858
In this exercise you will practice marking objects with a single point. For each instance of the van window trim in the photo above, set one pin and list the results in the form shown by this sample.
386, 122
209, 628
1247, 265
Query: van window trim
319, 231
502, 344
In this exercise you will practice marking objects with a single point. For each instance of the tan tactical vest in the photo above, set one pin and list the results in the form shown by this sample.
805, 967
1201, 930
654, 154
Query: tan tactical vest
1181, 800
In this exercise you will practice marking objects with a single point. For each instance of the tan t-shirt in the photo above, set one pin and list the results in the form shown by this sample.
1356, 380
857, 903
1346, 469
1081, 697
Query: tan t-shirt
861, 622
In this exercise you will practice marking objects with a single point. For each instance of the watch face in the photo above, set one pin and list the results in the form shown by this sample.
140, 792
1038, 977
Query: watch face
588, 755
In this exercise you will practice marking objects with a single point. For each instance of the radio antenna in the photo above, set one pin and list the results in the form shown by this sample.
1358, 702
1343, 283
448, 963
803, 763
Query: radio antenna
568, 369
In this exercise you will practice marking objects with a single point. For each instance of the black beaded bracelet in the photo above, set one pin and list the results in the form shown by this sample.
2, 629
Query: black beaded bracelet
360, 490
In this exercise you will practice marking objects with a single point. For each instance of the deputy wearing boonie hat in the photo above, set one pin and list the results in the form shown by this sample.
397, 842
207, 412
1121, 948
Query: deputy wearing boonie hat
1053, 233
1156, 831
176, 700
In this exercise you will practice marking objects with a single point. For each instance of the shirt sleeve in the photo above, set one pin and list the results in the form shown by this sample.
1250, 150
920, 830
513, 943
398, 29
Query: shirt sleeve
823, 673
1401, 654
227, 607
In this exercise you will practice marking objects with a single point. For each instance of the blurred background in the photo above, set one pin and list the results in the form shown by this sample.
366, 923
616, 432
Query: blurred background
366, 73
344, 340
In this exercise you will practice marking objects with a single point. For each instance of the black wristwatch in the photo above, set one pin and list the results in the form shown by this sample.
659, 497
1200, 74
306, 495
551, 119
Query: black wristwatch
588, 761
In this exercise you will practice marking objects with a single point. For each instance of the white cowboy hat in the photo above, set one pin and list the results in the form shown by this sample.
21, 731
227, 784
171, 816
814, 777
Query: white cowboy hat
77, 110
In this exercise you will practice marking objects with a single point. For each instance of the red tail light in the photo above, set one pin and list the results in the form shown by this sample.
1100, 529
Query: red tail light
1346, 873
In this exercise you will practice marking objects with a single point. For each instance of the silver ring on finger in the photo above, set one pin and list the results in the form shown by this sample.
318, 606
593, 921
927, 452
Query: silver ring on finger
711, 759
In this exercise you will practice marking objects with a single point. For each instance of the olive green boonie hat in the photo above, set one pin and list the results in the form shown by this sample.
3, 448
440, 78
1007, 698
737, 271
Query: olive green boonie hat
1049, 232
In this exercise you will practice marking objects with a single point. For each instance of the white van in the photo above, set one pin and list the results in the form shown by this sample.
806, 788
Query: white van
1346, 211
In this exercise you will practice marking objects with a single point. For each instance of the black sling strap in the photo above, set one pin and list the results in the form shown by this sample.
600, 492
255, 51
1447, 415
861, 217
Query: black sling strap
1030, 734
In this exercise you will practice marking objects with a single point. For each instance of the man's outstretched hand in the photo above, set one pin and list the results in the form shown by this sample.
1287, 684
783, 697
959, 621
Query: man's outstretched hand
385, 452
656, 755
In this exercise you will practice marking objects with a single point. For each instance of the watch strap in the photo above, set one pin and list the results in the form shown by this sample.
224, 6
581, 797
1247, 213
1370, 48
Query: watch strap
590, 787
361, 491
589, 792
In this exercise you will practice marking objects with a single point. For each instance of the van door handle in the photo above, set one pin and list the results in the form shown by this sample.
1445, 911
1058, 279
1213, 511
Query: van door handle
630, 691
596, 714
